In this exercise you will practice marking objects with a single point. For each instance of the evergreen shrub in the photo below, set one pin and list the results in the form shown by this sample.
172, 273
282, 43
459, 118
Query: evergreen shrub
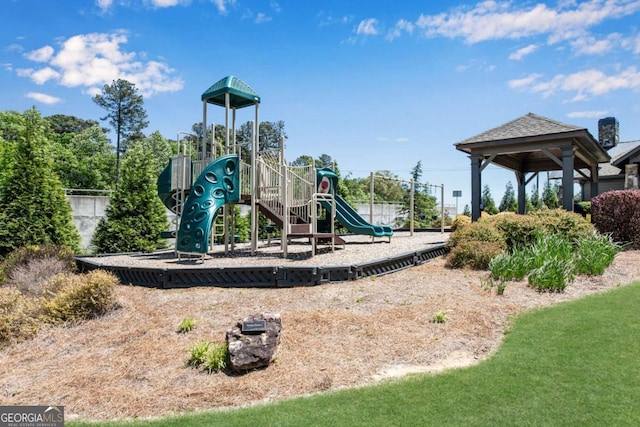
518, 230
569, 225
18, 316
81, 297
474, 245
460, 221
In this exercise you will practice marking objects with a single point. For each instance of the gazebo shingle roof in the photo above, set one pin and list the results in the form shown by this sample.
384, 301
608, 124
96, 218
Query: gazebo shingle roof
526, 126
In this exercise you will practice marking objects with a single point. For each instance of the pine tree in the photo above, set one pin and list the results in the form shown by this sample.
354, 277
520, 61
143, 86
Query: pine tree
126, 115
536, 203
135, 216
489, 206
550, 196
509, 202
34, 207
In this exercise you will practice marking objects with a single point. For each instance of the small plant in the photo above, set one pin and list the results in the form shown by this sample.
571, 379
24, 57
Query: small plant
198, 352
210, 357
186, 325
216, 358
439, 317
489, 283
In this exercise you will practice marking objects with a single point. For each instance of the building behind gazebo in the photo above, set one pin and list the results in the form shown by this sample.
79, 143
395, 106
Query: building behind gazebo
622, 171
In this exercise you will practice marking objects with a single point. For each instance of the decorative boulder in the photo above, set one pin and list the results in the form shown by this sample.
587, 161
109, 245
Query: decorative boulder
253, 343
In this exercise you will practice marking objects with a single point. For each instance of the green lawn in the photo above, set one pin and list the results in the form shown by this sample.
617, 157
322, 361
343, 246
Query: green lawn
575, 364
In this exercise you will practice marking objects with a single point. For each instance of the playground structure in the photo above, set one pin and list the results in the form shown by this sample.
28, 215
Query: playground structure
300, 200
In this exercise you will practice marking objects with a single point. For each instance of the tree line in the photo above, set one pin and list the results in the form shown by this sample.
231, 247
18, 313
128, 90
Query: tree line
550, 198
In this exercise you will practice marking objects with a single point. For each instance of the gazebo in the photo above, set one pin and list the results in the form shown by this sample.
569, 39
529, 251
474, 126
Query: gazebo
531, 144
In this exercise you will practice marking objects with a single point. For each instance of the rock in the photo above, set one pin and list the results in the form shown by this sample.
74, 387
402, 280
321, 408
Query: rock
251, 350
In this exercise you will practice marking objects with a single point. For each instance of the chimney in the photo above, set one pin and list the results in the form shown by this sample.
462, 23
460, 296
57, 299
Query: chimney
608, 132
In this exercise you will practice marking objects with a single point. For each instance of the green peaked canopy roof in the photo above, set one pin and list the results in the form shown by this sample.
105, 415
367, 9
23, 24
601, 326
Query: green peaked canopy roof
240, 94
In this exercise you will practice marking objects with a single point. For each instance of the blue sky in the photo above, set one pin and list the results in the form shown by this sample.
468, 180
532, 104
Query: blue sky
377, 85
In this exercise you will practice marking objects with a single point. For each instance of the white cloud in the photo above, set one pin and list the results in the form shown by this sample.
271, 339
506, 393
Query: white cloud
367, 27
590, 46
261, 17
92, 60
523, 82
397, 139
587, 114
14, 47
402, 26
631, 43
221, 5
104, 5
167, 3
44, 98
494, 20
40, 55
522, 52
328, 20
582, 84
43, 75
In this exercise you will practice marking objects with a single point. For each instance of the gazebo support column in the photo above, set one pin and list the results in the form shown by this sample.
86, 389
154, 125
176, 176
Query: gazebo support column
567, 178
522, 197
476, 186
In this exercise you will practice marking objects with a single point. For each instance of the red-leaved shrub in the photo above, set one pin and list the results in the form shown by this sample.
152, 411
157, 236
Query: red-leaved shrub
618, 213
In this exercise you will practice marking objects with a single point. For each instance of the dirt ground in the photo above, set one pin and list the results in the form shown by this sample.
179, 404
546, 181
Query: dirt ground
131, 363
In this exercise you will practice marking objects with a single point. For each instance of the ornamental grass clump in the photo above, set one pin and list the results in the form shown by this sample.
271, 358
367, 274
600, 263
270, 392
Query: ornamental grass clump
511, 266
208, 357
552, 275
595, 254
186, 325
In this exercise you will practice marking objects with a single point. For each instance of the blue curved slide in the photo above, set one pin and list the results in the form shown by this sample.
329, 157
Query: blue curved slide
217, 185
345, 213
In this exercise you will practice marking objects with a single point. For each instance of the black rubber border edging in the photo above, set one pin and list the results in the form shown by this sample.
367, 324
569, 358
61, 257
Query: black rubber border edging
261, 277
